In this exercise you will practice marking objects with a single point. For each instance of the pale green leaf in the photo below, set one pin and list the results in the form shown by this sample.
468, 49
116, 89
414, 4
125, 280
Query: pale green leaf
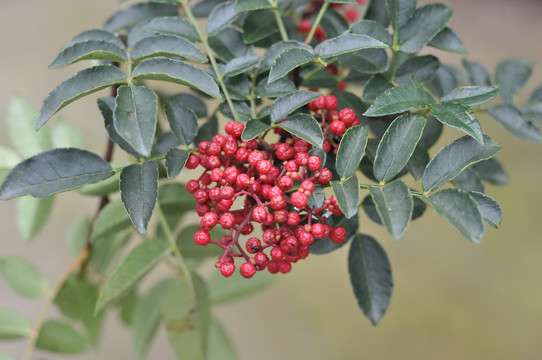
112, 219
23, 277
32, 214
13, 325
61, 338
64, 135
222, 290
135, 265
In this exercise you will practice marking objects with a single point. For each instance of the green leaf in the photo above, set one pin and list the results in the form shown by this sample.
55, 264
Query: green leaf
277, 49
397, 145
459, 116
23, 277
489, 209
394, 205
54, 171
286, 104
107, 108
192, 102
275, 89
8, 159
135, 14
182, 121
167, 25
240, 65
221, 16
400, 12
32, 214
368, 61
96, 35
460, 210
471, 95
351, 150
166, 45
347, 194
5, 357
418, 162
370, 209
448, 40
207, 130
451, 160
136, 116
418, 68
376, 85
347, 43
13, 325
370, 275
139, 190
289, 60
259, 25
478, 74
61, 338
425, 24
228, 44
304, 127
431, 132
147, 316
223, 290
325, 246
185, 313
250, 5
445, 80
112, 219
511, 75
398, 99
77, 235
21, 122
175, 161
510, 119
105, 249
373, 29
468, 180
177, 72
220, 346
377, 11
83, 83
490, 170
242, 110
64, 135
76, 300
89, 50
253, 128
135, 265
532, 111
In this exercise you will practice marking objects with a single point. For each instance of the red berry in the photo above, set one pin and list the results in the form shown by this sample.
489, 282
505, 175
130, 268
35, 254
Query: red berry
208, 221
227, 269
337, 127
286, 183
304, 26
201, 209
278, 202
192, 162
214, 194
247, 270
253, 245
320, 103
319, 34
308, 186
319, 231
227, 220
261, 258
192, 186
299, 200
227, 192
269, 236
201, 196
351, 15
259, 214
326, 146
330, 102
264, 166
273, 266
347, 116
242, 181
314, 163
293, 219
202, 238
325, 176
342, 85
277, 253
338, 234
284, 266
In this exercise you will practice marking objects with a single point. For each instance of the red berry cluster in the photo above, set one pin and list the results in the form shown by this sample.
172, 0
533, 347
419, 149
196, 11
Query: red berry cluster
272, 183
334, 123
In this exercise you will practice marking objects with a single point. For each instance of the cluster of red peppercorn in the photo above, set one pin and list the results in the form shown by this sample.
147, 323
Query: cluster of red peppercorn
334, 123
274, 183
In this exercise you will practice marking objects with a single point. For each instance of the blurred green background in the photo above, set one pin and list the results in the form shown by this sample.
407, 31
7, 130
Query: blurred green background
452, 299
